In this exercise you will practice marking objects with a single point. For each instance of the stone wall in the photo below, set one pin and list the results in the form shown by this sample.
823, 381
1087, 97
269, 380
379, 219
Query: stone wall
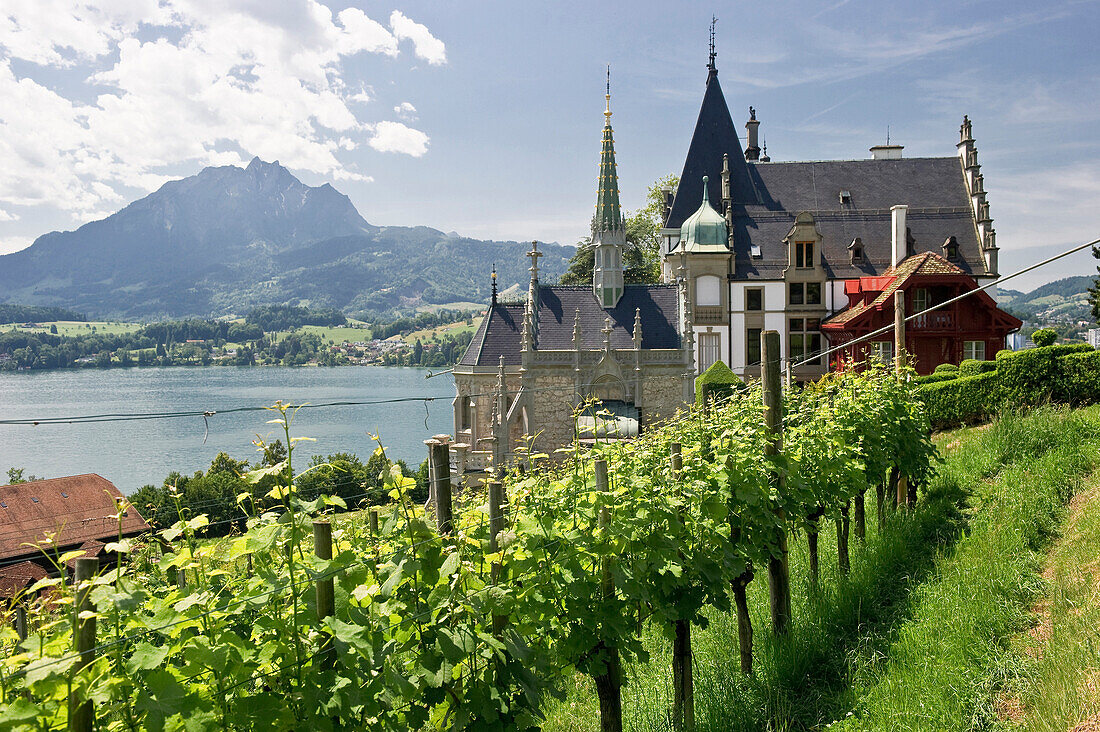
662, 395
553, 409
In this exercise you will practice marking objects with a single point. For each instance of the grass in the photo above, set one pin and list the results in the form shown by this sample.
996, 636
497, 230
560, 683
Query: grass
453, 329
1061, 686
916, 637
74, 327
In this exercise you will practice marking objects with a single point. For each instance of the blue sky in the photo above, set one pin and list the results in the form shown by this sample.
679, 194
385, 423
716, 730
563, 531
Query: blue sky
484, 117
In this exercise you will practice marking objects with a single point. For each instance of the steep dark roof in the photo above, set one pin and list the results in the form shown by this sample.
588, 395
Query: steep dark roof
501, 329
74, 509
714, 137
768, 196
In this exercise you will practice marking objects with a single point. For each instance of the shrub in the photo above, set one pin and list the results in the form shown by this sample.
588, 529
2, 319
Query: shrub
935, 378
964, 400
1044, 337
947, 368
973, 367
717, 382
1034, 376
1079, 378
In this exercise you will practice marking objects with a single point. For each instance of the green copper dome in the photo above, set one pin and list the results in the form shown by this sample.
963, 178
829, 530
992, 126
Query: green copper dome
705, 230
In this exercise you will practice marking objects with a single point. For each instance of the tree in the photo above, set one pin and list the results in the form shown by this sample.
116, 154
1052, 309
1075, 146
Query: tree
18, 475
1094, 291
642, 257
1044, 337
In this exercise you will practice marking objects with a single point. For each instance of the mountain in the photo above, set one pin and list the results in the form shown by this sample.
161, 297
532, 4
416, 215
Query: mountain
230, 238
1063, 301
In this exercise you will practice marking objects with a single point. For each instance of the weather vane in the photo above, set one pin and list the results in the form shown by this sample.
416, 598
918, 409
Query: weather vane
713, 54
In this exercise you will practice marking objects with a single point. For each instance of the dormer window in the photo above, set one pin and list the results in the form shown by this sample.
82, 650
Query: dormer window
855, 251
951, 249
804, 254
755, 252
910, 243
845, 198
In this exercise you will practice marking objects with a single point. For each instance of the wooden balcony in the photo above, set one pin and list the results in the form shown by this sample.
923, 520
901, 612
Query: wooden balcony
939, 321
710, 315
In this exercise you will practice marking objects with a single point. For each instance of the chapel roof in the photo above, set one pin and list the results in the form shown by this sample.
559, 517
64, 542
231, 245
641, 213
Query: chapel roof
501, 329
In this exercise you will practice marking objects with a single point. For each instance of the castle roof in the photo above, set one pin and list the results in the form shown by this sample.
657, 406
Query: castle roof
501, 329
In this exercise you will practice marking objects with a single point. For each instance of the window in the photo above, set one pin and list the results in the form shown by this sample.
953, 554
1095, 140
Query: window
708, 290
803, 254
882, 351
805, 340
974, 349
805, 293
855, 251
951, 249
920, 300
710, 350
754, 299
752, 347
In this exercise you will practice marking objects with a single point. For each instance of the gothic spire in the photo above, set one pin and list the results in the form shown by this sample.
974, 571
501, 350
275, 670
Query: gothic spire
608, 214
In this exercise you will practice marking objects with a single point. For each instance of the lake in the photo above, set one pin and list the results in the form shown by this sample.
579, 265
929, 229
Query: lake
134, 453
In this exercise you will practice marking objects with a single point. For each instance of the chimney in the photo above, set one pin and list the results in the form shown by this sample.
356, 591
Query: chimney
900, 241
886, 152
752, 147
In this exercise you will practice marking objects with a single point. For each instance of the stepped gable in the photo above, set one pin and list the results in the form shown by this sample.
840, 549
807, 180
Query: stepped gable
933, 188
501, 329
714, 137
72, 510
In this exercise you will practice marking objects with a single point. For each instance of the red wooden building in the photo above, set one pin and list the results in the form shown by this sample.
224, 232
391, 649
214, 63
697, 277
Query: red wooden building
971, 328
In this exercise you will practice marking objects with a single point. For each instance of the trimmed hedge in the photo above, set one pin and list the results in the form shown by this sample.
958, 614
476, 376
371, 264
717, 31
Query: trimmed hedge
1032, 377
973, 367
717, 382
935, 378
946, 368
960, 401
1064, 373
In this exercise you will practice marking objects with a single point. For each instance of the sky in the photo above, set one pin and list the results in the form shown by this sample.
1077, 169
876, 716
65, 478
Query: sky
485, 117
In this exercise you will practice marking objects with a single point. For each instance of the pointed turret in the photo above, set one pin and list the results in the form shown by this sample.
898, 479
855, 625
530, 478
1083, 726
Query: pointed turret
715, 138
608, 233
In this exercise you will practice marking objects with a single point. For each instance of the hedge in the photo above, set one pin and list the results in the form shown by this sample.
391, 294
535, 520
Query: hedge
936, 378
1064, 373
960, 401
1032, 377
717, 382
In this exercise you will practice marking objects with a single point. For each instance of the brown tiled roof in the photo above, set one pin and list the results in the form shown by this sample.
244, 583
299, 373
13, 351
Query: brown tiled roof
925, 263
77, 508
18, 577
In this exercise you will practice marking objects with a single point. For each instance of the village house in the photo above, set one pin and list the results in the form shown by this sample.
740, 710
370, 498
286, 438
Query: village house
815, 250
55, 516
533, 363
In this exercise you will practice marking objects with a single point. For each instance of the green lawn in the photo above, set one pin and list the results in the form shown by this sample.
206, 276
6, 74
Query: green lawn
74, 327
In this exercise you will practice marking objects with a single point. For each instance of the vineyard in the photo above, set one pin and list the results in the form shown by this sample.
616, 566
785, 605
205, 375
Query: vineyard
470, 611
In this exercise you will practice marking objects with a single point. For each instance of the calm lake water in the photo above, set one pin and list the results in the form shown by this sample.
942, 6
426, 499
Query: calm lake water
132, 454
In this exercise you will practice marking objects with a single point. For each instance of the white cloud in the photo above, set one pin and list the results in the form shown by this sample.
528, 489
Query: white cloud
396, 137
405, 110
171, 83
8, 216
427, 46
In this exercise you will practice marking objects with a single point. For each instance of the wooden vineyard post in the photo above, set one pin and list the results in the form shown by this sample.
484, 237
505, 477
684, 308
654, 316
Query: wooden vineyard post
21, 621
374, 522
496, 526
779, 580
326, 598
880, 494
608, 683
683, 686
860, 514
81, 714
439, 455
892, 487
899, 365
842, 541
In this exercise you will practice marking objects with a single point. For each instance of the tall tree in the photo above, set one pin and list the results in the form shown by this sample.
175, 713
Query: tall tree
1094, 291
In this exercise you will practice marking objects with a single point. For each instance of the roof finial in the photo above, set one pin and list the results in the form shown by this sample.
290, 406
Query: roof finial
607, 112
493, 276
706, 179
713, 68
